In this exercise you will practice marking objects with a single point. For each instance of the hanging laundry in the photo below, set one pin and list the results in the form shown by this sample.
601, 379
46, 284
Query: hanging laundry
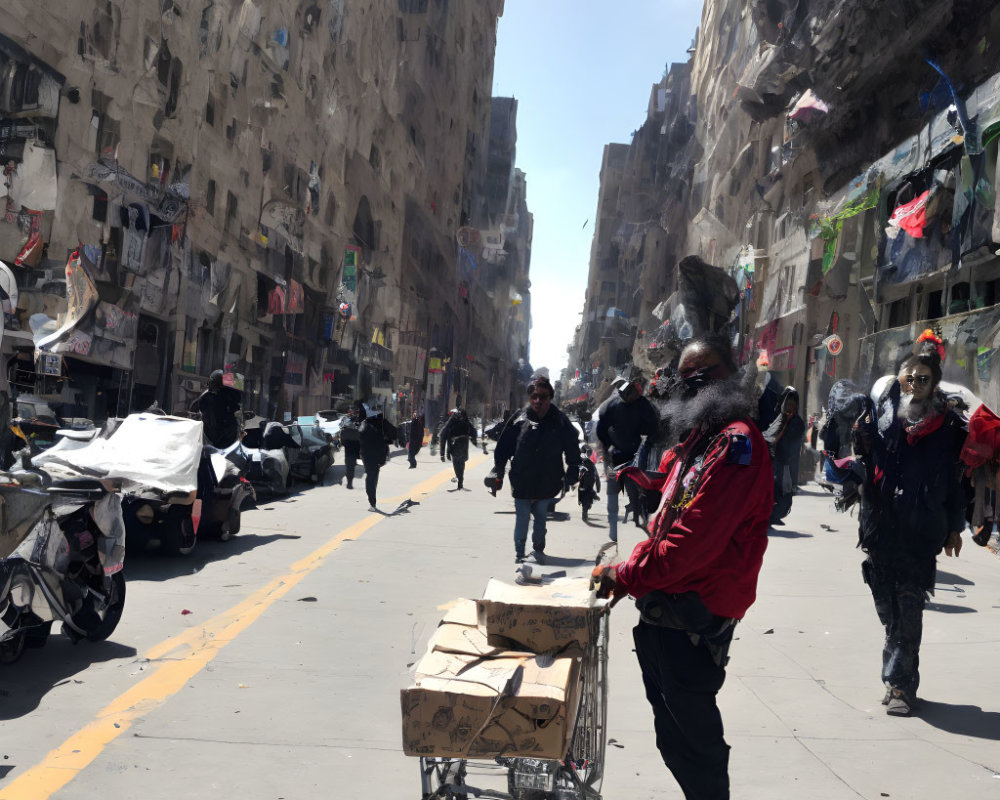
912, 216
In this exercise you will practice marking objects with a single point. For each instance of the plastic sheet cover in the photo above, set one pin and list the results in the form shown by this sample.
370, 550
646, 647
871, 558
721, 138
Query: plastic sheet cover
147, 450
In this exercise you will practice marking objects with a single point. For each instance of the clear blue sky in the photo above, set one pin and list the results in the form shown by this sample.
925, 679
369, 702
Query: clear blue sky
581, 71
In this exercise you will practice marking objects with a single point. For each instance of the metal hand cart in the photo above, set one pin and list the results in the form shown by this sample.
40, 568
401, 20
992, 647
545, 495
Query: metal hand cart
576, 777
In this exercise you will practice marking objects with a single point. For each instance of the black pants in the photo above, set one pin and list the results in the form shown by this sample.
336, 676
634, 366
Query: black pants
371, 481
351, 453
681, 681
899, 602
459, 465
411, 455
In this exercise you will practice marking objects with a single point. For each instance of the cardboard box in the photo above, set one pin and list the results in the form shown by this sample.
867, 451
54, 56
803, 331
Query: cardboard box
471, 699
466, 706
554, 617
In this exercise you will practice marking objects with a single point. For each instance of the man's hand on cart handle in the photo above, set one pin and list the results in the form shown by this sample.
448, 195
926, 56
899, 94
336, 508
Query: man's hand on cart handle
604, 579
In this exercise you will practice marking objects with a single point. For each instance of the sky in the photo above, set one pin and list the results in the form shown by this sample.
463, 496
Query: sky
581, 71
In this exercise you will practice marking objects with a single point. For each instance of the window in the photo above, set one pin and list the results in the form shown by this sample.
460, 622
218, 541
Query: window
231, 212
100, 210
210, 198
412, 6
210, 111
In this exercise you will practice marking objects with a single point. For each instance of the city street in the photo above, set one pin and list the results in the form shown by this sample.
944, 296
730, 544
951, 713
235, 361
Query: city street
269, 667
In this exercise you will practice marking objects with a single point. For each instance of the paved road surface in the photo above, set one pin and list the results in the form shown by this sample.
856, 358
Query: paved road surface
282, 682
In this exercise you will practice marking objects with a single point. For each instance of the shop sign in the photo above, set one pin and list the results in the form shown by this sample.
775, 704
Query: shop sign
352, 258
834, 344
234, 380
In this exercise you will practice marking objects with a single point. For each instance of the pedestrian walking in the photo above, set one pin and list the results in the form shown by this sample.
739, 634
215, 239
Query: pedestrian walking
624, 419
350, 439
455, 437
590, 482
535, 442
784, 437
376, 434
912, 506
416, 438
696, 574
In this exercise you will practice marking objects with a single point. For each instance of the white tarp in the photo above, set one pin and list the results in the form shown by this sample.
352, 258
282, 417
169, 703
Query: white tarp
147, 450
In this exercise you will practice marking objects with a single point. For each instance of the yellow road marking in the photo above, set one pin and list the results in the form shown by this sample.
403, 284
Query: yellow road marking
195, 648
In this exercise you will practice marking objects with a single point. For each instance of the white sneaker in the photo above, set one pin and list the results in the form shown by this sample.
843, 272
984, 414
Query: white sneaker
372, 508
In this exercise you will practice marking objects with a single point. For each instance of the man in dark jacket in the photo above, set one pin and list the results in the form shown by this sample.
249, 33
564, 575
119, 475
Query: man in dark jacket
696, 574
455, 436
535, 441
416, 438
218, 406
912, 507
376, 434
624, 419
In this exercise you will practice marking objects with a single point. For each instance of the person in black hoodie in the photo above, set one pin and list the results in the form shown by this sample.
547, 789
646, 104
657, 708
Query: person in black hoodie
455, 436
415, 440
912, 507
376, 434
535, 442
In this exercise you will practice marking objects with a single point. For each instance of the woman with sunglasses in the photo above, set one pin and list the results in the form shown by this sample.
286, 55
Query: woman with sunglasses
913, 506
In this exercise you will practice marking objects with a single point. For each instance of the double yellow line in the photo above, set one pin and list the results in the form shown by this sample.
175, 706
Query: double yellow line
190, 652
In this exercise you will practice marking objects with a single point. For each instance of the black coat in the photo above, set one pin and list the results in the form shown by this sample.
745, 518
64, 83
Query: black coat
456, 434
376, 434
416, 431
907, 515
622, 425
218, 415
536, 448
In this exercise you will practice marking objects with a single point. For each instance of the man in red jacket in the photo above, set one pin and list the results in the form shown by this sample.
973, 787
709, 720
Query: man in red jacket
696, 574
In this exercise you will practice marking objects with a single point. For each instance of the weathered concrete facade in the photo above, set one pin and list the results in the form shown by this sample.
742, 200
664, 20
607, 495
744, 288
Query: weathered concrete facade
839, 161
272, 189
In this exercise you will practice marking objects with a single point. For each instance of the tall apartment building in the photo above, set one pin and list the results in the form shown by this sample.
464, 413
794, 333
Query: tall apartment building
272, 189
838, 160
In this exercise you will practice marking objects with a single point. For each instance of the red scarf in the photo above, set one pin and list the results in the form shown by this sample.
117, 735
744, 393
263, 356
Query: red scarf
918, 430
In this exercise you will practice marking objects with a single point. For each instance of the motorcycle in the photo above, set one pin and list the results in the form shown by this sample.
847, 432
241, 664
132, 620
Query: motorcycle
62, 551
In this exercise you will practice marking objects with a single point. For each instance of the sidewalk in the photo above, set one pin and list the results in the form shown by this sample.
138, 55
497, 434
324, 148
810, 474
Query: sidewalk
801, 703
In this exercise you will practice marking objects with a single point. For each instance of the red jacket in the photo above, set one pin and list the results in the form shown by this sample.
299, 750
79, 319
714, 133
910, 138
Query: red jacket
713, 542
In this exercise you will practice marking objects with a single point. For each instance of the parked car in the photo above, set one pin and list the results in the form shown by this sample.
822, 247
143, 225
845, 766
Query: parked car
266, 445
314, 454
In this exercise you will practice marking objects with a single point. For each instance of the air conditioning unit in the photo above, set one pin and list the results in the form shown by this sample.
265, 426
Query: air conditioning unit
190, 385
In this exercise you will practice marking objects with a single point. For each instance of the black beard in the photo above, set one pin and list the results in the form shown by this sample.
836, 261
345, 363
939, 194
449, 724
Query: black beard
713, 406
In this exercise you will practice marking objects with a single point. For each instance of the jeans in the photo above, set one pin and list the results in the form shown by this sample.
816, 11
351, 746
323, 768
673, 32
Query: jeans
371, 482
899, 603
459, 466
411, 455
611, 490
681, 680
350, 463
523, 508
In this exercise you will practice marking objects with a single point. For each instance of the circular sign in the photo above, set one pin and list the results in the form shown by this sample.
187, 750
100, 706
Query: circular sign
834, 344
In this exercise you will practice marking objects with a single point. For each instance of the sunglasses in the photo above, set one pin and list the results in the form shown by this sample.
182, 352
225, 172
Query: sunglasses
539, 396
919, 380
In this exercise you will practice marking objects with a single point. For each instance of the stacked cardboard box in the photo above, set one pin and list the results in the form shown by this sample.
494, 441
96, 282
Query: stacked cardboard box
476, 697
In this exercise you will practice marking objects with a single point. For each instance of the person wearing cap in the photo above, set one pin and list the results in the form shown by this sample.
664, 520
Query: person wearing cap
218, 405
535, 442
625, 418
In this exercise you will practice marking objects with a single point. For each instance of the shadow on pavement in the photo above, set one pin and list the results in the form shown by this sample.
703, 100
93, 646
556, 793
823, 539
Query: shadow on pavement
953, 579
950, 609
338, 472
962, 720
28, 680
556, 561
153, 566
788, 534
591, 524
